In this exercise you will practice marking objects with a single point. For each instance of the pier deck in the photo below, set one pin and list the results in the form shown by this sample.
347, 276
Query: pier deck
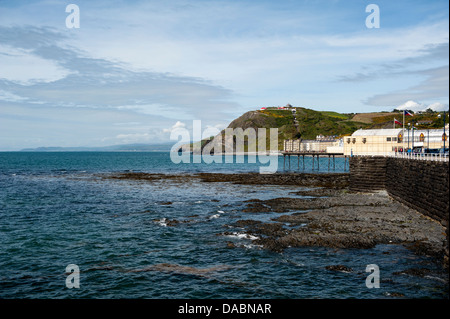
313, 155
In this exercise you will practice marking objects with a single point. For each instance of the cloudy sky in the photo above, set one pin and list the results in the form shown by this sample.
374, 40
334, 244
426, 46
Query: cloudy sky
135, 70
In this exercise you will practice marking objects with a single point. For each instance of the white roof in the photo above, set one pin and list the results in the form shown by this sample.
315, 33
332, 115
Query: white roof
378, 132
396, 131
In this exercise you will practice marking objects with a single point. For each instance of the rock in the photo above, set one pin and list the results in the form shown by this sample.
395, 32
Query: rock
230, 244
340, 268
396, 294
418, 272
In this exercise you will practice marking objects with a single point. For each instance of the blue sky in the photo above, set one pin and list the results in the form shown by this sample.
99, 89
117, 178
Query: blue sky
135, 70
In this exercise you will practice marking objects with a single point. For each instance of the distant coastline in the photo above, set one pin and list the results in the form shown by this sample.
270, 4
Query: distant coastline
112, 148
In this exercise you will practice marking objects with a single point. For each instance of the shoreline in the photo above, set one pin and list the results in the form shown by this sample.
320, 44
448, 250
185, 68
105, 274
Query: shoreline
330, 216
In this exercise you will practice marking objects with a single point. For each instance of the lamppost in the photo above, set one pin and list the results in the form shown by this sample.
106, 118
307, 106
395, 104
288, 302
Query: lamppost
409, 125
444, 137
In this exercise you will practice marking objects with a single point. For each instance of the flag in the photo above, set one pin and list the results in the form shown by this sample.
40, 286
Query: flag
405, 112
397, 122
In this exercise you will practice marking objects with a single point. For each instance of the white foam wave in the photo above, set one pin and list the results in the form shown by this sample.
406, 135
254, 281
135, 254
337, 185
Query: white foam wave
242, 236
162, 222
251, 246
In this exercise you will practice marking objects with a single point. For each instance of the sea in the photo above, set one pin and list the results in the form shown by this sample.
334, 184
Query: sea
67, 232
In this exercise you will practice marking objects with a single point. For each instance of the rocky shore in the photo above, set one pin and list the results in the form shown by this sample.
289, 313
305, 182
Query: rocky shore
328, 214
343, 220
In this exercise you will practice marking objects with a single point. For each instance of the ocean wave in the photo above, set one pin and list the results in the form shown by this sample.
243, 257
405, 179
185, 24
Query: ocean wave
242, 236
252, 246
162, 222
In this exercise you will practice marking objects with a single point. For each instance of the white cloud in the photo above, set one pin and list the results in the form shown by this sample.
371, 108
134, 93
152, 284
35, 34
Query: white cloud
157, 63
24, 67
420, 107
177, 126
438, 107
411, 105
10, 97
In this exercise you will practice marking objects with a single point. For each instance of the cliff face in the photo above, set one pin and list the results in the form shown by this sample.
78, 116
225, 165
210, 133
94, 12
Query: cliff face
283, 120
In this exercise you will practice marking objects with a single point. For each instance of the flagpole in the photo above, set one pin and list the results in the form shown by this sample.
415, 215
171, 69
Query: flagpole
403, 132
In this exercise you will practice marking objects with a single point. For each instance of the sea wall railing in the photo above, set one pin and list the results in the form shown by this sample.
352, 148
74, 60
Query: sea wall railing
437, 157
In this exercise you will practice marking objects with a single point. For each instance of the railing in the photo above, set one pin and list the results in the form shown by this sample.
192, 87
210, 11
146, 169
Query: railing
438, 157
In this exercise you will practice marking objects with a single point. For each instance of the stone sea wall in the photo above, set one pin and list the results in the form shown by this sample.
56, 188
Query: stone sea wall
367, 173
421, 185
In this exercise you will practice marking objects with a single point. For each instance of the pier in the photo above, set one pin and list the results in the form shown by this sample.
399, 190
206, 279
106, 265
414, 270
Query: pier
315, 159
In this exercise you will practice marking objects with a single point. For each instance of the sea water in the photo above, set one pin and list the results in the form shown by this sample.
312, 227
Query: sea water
57, 209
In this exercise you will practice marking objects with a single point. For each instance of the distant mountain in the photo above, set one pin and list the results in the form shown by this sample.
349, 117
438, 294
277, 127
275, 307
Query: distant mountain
113, 148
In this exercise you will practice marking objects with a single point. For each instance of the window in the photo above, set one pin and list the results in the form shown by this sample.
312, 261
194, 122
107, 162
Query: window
388, 139
353, 140
348, 140
394, 139
364, 140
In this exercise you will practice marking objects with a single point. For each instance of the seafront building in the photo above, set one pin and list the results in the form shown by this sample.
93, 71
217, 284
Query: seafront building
322, 144
389, 141
372, 142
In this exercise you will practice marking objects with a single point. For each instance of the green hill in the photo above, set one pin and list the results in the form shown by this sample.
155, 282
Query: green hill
306, 124
313, 123
296, 123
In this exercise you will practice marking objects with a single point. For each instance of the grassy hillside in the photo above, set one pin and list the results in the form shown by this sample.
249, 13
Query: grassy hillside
313, 123
423, 120
304, 123
307, 123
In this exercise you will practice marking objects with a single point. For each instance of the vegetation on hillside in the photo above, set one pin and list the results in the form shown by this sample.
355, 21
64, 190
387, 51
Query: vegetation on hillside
306, 123
424, 120
313, 123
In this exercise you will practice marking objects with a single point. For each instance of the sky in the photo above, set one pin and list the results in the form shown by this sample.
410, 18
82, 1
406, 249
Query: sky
134, 71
